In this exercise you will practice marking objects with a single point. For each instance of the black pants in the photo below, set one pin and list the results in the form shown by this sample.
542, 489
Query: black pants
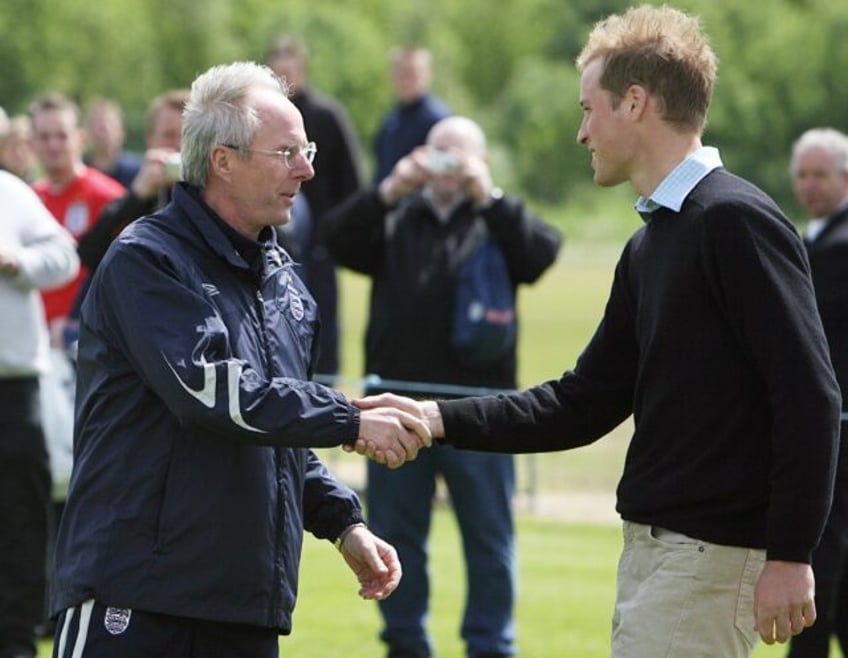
24, 503
99, 631
830, 568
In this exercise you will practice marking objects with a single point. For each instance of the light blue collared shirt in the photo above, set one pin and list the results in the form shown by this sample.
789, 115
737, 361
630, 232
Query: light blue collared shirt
674, 188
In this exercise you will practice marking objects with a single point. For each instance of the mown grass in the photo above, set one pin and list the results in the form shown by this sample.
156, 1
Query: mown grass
566, 594
563, 607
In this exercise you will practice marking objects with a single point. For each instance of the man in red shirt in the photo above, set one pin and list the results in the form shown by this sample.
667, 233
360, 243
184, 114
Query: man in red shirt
73, 192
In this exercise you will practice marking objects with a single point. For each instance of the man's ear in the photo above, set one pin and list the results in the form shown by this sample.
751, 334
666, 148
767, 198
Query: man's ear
636, 100
221, 161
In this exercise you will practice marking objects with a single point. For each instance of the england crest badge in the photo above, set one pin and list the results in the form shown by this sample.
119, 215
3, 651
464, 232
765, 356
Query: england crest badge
117, 620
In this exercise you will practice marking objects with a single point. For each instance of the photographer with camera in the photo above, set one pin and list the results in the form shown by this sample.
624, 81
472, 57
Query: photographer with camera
151, 188
412, 234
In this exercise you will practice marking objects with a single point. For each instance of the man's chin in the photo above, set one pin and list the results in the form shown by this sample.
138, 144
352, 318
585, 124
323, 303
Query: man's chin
607, 181
281, 220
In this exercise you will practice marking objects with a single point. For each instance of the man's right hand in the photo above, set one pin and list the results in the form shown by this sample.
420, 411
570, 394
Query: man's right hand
391, 436
408, 175
153, 175
426, 410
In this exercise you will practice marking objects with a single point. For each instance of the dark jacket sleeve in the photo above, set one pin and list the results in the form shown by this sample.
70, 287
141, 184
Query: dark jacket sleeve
530, 246
140, 307
350, 175
585, 404
329, 506
354, 231
112, 220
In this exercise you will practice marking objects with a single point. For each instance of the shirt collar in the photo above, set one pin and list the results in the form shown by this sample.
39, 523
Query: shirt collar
676, 186
816, 225
443, 213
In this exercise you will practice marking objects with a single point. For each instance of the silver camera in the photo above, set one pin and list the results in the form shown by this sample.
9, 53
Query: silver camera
174, 166
442, 163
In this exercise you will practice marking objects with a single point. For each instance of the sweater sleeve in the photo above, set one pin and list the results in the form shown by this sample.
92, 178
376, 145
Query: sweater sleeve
582, 406
761, 275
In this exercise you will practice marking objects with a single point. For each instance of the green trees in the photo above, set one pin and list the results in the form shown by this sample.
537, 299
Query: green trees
781, 72
508, 63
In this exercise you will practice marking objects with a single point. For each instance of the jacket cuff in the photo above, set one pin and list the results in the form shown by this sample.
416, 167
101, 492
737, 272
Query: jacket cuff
354, 519
353, 424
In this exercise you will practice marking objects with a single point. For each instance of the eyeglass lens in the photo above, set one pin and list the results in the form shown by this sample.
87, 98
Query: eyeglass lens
293, 152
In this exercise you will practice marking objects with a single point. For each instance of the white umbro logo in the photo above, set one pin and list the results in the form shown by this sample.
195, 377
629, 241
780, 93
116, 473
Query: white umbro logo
210, 289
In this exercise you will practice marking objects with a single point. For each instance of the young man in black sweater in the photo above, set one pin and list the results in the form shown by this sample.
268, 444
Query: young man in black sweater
712, 340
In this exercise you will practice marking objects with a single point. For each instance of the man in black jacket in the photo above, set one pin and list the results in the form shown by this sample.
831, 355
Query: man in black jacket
819, 172
338, 174
194, 478
711, 338
411, 235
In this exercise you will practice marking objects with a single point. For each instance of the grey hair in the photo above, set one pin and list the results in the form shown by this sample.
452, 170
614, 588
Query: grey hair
218, 112
827, 139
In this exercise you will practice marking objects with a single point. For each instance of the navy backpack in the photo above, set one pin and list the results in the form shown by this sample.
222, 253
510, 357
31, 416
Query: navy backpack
484, 321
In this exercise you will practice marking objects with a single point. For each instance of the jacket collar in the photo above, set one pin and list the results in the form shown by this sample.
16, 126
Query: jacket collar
833, 225
222, 239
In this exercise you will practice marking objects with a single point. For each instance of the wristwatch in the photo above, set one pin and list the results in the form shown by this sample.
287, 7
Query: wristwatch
344, 533
494, 195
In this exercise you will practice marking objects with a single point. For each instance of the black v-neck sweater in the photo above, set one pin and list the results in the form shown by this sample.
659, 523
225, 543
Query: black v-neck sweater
711, 339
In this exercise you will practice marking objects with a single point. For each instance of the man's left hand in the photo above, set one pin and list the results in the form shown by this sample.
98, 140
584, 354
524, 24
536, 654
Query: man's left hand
784, 600
374, 561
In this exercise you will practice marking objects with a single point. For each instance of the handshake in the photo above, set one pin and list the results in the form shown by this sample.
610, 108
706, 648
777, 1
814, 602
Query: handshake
392, 428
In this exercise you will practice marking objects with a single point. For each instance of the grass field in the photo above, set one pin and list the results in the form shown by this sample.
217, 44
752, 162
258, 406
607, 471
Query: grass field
566, 567
566, 594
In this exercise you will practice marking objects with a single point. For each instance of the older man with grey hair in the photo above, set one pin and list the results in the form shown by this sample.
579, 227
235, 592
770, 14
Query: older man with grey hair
819, 171
194, 475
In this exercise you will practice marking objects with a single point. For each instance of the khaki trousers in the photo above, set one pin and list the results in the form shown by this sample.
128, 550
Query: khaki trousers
680, 597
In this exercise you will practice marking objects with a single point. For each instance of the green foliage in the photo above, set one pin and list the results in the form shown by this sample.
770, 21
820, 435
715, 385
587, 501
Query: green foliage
539, 119
510, 64
780, 74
